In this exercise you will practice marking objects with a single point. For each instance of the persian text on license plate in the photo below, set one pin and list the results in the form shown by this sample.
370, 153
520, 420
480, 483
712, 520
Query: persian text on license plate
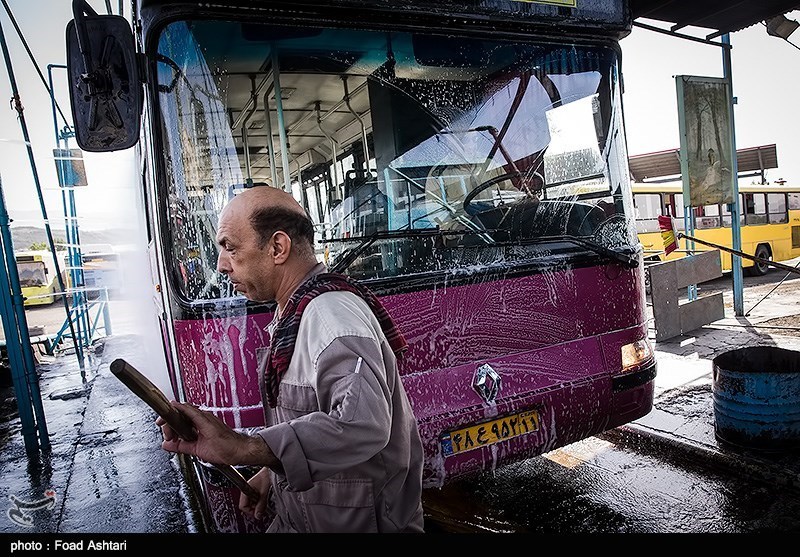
489, 433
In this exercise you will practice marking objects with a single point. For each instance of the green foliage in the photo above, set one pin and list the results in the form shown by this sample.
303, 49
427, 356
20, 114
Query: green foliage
43, 246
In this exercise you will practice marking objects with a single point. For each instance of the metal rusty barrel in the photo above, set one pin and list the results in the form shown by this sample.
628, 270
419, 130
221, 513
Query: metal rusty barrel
756, 392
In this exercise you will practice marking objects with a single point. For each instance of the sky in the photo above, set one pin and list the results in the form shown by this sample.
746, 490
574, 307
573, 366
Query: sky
766, 85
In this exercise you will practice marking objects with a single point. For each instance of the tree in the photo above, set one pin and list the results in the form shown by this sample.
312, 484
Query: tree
42, 246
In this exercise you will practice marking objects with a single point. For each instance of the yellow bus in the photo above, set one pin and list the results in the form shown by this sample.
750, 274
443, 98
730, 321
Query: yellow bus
770, 223
37, 277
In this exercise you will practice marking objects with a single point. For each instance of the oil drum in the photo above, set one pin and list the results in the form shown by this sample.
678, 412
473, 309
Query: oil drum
756, 392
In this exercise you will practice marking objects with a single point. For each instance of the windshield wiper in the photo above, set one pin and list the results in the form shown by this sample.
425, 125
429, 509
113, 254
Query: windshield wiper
628, 259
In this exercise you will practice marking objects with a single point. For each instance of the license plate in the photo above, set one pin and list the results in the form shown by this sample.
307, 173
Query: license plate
489, 433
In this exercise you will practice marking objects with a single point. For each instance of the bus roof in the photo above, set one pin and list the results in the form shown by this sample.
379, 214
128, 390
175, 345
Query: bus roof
37, 255
596, 17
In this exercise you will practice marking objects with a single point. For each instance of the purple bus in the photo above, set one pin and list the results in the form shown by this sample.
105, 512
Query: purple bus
464, 160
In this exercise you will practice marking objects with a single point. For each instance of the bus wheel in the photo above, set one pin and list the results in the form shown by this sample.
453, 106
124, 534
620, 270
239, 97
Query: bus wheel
760, 269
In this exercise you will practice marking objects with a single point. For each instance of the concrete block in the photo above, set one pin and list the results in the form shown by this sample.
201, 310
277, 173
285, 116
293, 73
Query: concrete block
668, 278
702, 311
698, 268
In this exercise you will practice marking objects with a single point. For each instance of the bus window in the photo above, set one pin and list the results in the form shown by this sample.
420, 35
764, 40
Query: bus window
674, 208
31, 273
37, 276
755, 208
726, 213
648, 208
762, 216
776, 203
706, 216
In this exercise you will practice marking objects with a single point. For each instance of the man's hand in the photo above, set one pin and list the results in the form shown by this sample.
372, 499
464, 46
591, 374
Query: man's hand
216, 442
261, 483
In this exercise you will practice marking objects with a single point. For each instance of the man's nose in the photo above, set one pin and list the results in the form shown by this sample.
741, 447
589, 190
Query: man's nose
222, 263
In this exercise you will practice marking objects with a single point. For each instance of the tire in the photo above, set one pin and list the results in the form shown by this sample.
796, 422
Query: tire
761, 269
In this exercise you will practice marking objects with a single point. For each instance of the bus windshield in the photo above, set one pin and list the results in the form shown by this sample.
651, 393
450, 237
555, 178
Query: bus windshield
412, 153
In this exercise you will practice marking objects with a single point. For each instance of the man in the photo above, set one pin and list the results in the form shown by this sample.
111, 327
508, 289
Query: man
341, 451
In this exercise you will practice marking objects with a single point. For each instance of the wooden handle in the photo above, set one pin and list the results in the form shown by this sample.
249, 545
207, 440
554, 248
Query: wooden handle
152, 395
741, 254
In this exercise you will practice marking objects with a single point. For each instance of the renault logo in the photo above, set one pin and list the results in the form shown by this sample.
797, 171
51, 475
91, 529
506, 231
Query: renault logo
486, 382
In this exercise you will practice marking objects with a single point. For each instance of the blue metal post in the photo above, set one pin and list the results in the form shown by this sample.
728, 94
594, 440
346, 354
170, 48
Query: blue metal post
688, 225
69, 217
736, 231
17, 301
83, 298
688, 212
14, 343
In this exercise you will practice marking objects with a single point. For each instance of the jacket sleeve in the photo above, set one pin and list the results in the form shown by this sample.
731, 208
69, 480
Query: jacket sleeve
354, 420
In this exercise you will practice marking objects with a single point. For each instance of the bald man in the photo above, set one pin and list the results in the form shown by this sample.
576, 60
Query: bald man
340, 449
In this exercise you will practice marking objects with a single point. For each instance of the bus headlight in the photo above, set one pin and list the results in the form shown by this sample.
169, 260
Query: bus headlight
636, 354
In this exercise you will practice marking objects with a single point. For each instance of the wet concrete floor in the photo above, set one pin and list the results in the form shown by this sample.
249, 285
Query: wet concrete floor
102, 473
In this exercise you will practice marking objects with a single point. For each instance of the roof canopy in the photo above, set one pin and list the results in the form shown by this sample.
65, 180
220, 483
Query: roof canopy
723, 16
668, 163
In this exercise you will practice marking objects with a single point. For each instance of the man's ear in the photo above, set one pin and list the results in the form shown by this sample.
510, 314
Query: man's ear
281, 247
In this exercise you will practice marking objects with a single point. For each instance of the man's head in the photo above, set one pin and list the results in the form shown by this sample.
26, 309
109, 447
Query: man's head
266, 243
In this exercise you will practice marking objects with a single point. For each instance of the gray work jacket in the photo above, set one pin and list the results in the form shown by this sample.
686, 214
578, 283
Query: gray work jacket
343, 428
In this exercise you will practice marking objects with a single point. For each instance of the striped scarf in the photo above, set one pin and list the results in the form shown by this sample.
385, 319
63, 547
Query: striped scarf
284, 335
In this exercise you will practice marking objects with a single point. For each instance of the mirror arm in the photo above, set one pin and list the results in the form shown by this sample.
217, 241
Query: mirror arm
79, 10
141, 66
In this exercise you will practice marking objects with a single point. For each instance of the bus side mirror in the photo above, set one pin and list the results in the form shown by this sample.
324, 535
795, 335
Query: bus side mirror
104, 86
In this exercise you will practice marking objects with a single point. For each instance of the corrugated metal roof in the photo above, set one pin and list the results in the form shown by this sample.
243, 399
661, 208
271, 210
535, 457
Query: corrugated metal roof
723, 16
668, 163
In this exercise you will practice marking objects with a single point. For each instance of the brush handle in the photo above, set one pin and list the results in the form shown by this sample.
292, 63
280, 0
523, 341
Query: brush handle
155, 399
152, 395
742, 254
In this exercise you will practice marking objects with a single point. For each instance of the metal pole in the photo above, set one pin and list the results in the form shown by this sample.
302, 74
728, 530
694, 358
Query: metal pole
17, 300
70, 221
15, 341
245, 143
334, 154
276, 80
270, 145
736, 231
360, 121
83, 323
18, 303
688, 211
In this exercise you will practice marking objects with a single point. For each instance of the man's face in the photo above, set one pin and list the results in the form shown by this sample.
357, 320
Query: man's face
248, 266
